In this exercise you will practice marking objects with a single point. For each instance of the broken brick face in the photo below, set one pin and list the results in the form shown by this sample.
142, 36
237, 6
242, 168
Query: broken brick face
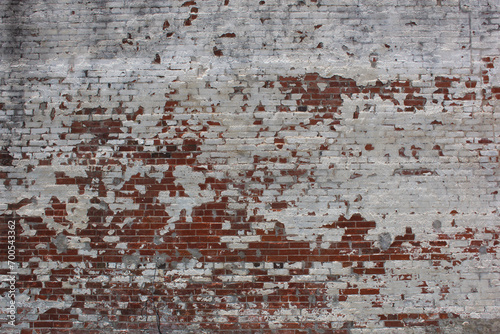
206, 167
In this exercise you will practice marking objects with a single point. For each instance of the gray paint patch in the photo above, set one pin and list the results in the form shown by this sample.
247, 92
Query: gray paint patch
61, 242
161, 260
196, 253
385, 240
130, 260
436, 224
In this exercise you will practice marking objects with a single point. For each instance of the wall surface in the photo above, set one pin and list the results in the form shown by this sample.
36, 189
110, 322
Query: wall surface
236, 166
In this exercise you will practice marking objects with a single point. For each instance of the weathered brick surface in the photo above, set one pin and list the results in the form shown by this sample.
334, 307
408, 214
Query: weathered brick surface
251, 166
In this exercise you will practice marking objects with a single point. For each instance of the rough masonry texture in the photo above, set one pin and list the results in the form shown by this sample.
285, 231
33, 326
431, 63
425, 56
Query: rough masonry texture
236, 166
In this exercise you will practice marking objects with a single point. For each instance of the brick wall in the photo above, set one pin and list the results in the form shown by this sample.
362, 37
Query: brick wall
232, 166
